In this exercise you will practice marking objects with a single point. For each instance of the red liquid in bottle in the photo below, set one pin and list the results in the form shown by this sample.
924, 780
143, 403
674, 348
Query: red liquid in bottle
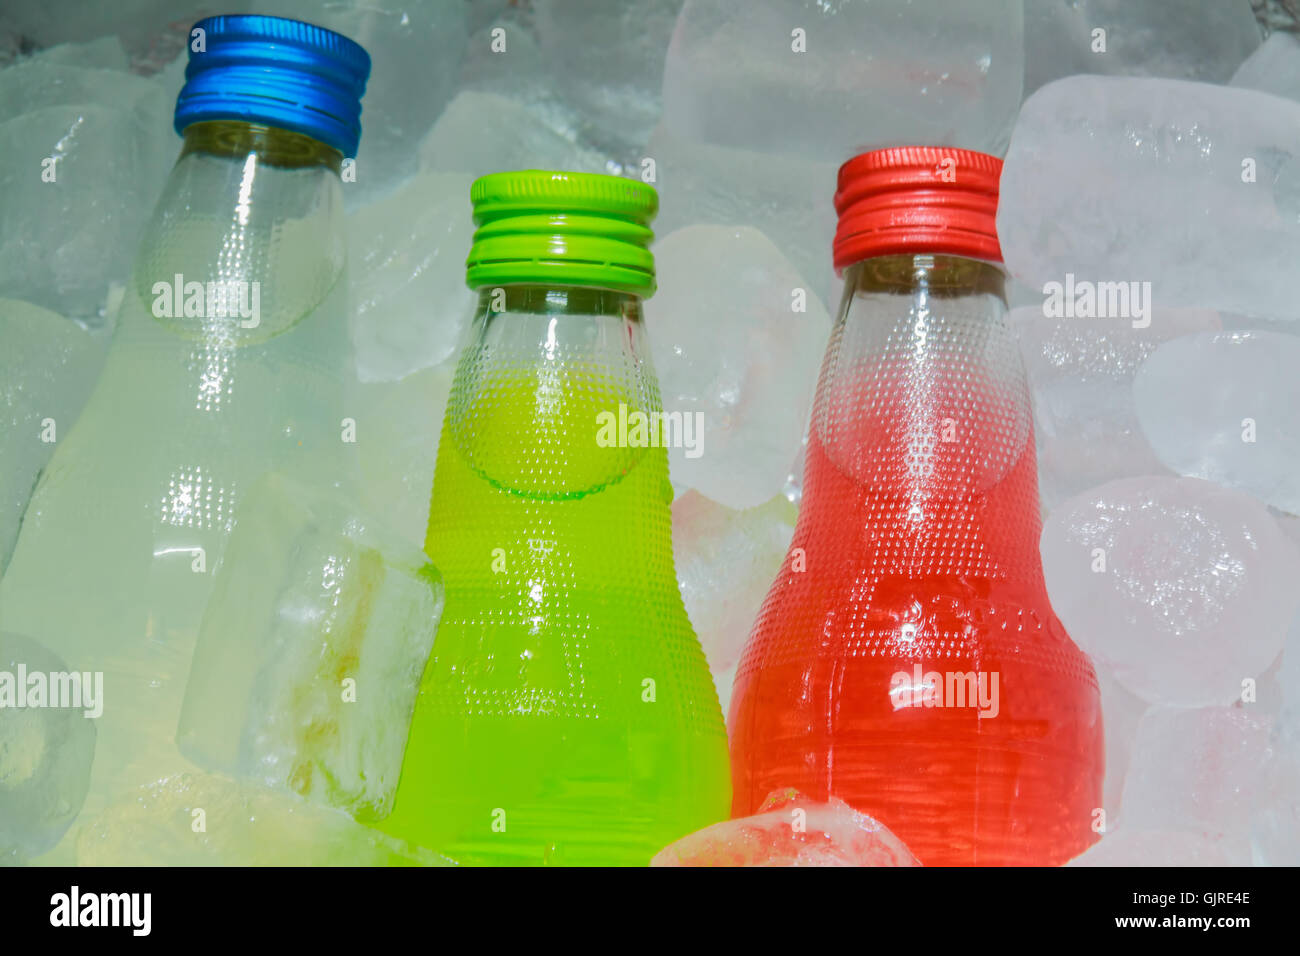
907, 660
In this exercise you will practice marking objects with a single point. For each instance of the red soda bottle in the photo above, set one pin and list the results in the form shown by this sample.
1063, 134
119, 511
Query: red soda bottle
907, 659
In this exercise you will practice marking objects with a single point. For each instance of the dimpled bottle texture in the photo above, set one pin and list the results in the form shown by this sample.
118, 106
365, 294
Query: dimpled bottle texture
567, 715
227, 361
906, 659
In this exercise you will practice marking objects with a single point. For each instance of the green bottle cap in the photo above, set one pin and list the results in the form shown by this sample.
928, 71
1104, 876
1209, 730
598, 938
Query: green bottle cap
576, 229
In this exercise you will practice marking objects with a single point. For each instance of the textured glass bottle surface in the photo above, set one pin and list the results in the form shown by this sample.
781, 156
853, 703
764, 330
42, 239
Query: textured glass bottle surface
127, 524
907, 659
567, 714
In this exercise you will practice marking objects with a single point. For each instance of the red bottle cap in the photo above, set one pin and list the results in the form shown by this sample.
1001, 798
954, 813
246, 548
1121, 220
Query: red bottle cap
914, 199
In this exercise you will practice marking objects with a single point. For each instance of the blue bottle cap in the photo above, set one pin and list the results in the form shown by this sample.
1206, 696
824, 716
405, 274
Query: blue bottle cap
283, 73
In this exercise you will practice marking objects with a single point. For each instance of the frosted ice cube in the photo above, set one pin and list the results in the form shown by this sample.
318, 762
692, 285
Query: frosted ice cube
48, 366
1276, 15
407, 263
1181, 588
1121, 712
1275, 821
724, 682
1180, 39
45, 751
195, 819
1133, 151
1126, 847
737, 336
503, 57
103, 53
1197, 770
136, 23
1226, 407
398, 428
786, 198
610, 64
791, 830
827, 80
481, 133
1273, 68
79, 179
311, 651
1081, 376
726, 560
415, 51
1275, 830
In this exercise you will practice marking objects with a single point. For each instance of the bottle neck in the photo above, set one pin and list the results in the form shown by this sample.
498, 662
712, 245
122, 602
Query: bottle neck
247, 238
235, 139
548, 388
583, 305
922, 393
918, 277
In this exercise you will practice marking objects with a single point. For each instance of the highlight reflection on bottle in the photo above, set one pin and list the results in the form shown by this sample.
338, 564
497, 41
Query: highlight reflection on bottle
907, 659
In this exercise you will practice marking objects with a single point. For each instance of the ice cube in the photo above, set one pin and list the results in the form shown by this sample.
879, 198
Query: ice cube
84, 161
827, 80
726, 560
1275, 829
1192, 188
724, 682
311, 651
415, 51
1121, 712
1273, 68
481, 133
1126, 847
103, 53
786, 198
1276, 15
791, 830
136, 23
48, 366
737, 336
407, 262
1226, 407
196, 819
46, 749
609, 64
1275, 820
1081, 376
1179, 39
1197, 770
398, 428
503, 57
1181, 588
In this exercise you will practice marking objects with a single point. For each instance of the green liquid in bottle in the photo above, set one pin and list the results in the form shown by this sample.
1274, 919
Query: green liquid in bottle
567, 715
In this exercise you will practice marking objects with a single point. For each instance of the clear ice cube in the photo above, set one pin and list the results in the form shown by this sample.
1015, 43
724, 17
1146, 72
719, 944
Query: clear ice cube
791, 830
311, 651
1180, 588
738, 336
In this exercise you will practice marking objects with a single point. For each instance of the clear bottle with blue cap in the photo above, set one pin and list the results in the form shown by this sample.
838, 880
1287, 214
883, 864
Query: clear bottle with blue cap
228, 360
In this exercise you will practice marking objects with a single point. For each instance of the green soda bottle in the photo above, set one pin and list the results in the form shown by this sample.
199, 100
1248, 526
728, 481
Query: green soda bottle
567, 715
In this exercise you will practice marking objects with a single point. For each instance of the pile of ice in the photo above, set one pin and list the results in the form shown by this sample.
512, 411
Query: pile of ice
1151, 222
1153, 164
